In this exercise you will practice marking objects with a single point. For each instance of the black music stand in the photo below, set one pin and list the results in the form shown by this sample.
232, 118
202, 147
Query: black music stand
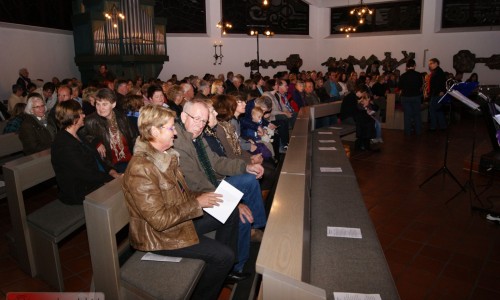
444, 169
469, 183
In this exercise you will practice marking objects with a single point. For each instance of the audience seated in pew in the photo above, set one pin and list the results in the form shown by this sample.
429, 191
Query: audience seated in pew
35, 133
222, 138
108, 131
255, 131
365, 118
74, 162
63, 94
16, 119
175, 99
204, 170
16, 97
166, 217
88, 100
132, 106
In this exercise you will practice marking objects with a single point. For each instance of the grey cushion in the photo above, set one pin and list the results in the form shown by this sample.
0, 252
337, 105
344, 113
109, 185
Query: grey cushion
57, 219
162, 280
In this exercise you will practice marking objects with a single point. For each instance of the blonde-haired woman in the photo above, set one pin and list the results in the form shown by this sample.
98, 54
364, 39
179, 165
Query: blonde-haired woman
217, 87
166, 217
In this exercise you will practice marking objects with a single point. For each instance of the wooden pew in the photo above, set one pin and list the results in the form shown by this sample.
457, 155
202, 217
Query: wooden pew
284, 257
11, 144
36, 236
328, 109
22, 174
106, 213
293, 258
11, 148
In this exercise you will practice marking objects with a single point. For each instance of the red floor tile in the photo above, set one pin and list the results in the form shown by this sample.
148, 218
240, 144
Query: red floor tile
407, 246
430, 265
484, 294
450, 287
436, 253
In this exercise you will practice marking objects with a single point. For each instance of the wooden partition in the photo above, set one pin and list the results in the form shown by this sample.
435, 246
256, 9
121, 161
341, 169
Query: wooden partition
11, 144
296, 258
20, 175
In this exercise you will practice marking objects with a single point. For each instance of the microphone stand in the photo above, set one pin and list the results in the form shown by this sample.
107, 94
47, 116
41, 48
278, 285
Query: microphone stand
444, 169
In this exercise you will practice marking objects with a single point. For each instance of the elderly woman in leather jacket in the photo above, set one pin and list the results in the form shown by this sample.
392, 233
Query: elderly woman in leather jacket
165, 216
109, 131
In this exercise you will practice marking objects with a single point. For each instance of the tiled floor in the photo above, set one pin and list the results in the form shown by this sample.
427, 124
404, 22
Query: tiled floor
435, 250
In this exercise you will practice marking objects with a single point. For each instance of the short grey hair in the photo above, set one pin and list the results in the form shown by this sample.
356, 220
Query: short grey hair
186, 86
32, 98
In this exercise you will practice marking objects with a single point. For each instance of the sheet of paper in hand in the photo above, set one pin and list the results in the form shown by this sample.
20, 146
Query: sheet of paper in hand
231, 196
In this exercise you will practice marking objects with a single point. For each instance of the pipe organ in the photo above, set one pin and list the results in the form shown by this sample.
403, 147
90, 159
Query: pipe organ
130, 47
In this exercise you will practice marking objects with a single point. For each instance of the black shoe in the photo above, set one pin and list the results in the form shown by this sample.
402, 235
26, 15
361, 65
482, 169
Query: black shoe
235, 277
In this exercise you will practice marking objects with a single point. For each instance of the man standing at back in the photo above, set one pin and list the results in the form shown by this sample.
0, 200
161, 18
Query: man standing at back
410, 85
437, 87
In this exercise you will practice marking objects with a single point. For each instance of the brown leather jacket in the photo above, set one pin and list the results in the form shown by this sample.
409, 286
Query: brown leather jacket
160, 204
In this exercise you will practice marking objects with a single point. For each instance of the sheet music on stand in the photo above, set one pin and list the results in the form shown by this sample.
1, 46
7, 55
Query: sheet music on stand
459, 96
497, 118
494, 108
462, 90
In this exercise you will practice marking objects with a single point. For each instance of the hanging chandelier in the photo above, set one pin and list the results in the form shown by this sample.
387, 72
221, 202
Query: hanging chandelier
114, 15
347, 29
361, 12
224, 26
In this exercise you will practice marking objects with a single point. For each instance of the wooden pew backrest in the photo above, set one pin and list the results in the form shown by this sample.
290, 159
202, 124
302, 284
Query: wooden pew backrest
21, 174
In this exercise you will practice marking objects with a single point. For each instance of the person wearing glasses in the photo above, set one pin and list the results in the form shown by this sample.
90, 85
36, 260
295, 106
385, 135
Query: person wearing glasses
166, 216
34, 132
204, 170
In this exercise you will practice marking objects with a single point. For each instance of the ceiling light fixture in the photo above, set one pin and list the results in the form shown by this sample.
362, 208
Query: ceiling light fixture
361, 12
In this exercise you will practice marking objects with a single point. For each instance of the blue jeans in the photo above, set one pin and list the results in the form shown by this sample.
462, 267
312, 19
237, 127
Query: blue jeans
436, 114
411, 110
218, 254
378, 130
252, 197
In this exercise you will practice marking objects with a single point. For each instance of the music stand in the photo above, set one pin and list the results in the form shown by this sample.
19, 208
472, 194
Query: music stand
444, 168
469, 184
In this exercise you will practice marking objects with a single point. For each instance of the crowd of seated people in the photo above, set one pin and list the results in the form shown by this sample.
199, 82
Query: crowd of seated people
175, 141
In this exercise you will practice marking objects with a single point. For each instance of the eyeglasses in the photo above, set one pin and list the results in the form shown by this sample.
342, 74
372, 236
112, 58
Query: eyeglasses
169, 128
197, 119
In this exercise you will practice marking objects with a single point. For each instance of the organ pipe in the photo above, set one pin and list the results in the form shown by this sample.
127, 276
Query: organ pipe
137, 34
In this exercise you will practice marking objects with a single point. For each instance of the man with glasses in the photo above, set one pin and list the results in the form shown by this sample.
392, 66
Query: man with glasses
204, 170
437, 85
